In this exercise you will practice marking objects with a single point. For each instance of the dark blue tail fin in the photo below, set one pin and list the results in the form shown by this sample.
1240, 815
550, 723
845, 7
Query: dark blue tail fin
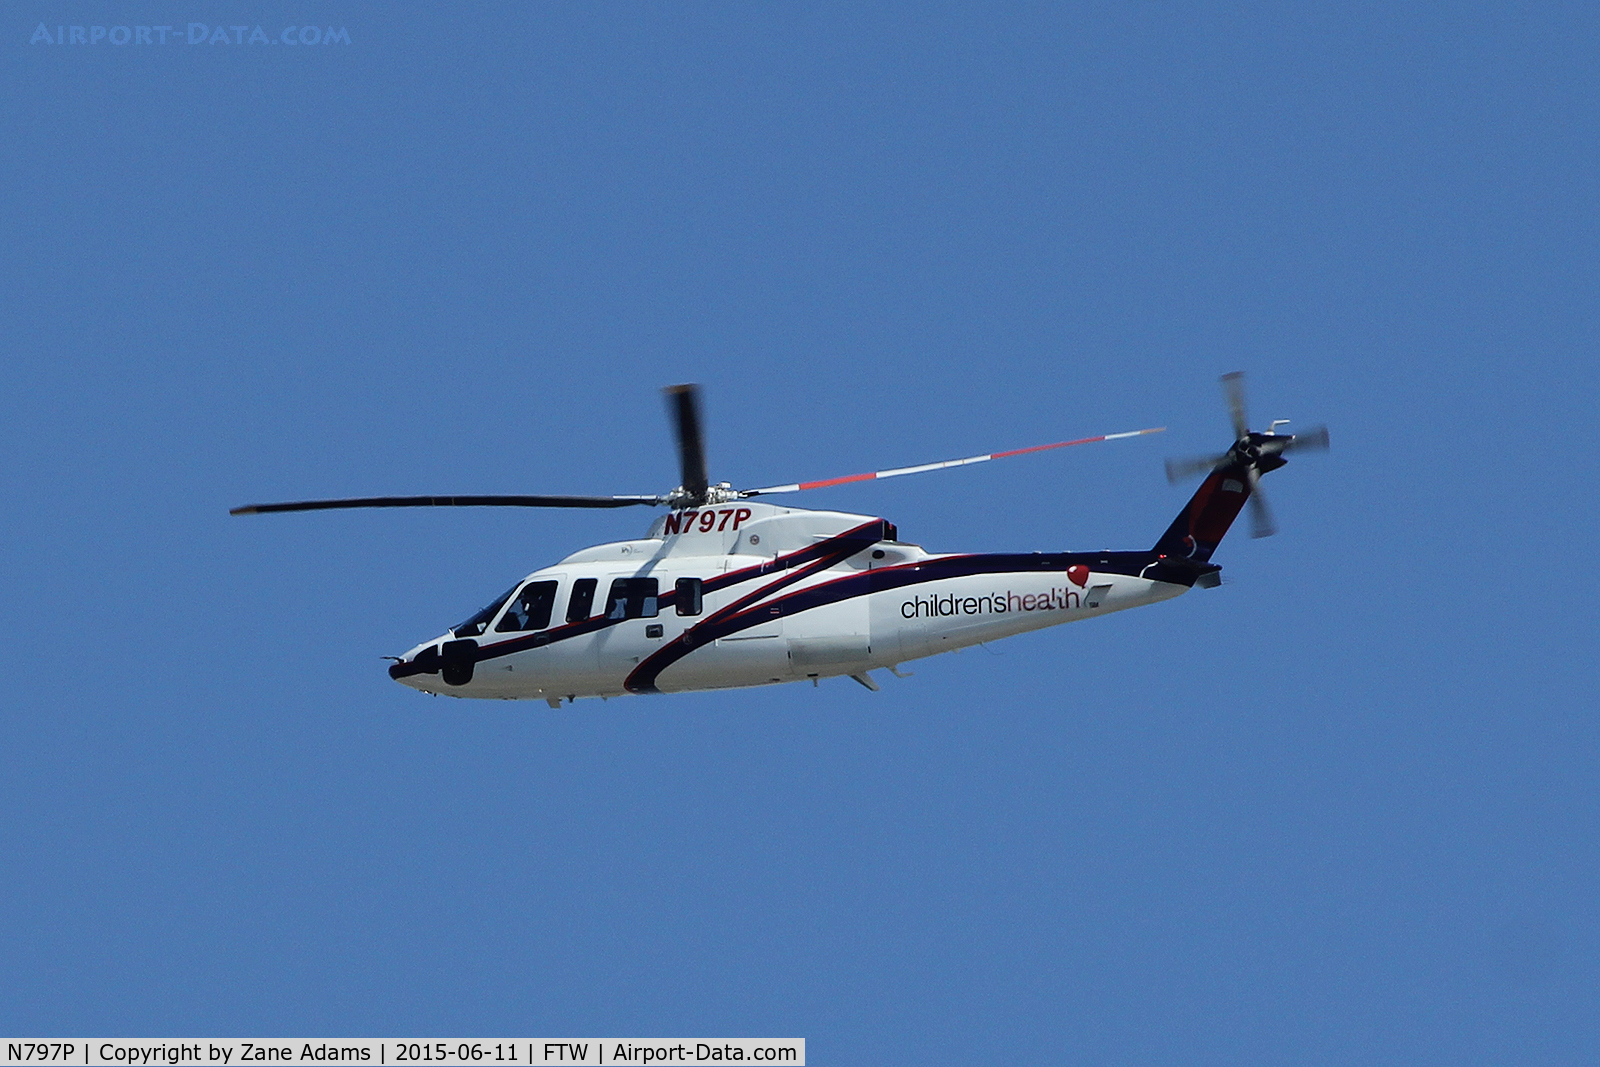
1205, 519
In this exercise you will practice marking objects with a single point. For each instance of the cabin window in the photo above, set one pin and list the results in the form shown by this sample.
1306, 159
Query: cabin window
475, 625
529, 609
688, 596
581, 602
632, 598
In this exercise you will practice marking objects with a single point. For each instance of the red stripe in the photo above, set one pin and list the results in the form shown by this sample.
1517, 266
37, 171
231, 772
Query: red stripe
1041, 448
839, 481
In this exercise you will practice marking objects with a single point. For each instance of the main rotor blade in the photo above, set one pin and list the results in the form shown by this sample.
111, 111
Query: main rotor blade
1233, 390
1312, 440
1261, 524
683, 401
452, 502
1180, 469
897, 471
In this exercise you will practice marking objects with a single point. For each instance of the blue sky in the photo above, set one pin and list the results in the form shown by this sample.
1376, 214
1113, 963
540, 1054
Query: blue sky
1341, 810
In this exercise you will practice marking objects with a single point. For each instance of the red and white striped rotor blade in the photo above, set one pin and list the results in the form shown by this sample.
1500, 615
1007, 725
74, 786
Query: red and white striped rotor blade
923, 467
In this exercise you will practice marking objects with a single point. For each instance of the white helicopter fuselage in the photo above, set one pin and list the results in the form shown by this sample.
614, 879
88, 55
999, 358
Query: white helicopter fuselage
748, 593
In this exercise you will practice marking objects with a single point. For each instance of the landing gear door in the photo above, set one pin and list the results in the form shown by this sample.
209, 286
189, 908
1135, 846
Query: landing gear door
836, 639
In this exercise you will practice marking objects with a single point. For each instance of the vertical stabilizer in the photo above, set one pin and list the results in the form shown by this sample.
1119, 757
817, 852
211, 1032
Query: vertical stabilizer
1205, 519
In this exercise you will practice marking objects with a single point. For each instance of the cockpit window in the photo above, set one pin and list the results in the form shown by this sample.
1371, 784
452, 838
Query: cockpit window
632, 598
474, 626
529, 609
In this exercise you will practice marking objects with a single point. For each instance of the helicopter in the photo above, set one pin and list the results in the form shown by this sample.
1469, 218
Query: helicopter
727, 590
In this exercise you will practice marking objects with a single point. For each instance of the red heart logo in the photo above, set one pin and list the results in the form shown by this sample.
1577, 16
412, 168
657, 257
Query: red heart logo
1079, 575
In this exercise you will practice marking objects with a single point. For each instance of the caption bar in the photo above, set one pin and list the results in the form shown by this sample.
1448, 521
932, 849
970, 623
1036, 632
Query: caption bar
384, 1052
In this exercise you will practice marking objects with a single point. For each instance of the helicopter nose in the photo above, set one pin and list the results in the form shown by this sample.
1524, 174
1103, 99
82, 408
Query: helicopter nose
419, 667
440, 660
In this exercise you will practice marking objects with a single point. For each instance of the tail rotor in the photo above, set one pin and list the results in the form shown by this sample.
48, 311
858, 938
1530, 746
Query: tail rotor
1252, 455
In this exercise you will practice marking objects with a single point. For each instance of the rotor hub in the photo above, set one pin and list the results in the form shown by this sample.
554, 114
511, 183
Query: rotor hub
721, 493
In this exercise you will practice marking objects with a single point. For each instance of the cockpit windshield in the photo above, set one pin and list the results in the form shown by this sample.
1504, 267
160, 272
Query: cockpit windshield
475, 625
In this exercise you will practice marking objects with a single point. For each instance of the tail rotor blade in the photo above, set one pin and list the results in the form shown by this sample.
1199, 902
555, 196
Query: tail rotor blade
1179, 470
1261, 522
1233, 390
683, 402
1312, 440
